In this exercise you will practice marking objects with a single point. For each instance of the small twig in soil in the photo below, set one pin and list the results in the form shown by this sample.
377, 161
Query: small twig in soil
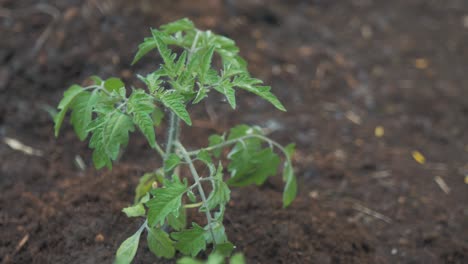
19, 246
373, 213
442, 184
17, 145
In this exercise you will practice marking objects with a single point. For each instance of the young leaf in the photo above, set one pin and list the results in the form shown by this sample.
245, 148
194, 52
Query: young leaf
205, 157
201, 94
82, 112
171, 162
180, 65
191, 196
113, 84
190, 241
250, 84
226, 89
144, 185
68, 97
205, 64
160, 244
290, 189
145, 47
175, 102
135, 210
128, 249
183, 24
166, 201
165, 52
237, 259
220, 194
189, 260
215, 140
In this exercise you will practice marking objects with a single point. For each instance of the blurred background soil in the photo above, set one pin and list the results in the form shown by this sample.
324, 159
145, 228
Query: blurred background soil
376, 93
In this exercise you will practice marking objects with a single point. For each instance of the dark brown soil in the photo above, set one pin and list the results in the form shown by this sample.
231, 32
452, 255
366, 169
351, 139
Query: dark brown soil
342, 68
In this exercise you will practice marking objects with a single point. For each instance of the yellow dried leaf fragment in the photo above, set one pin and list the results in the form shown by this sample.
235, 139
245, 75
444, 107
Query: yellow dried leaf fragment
379, 131
418, 157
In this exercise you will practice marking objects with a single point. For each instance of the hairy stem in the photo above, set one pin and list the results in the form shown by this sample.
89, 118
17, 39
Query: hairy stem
197, 180
172, 137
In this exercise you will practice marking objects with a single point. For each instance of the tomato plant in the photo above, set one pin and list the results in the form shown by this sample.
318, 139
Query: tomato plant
107, 112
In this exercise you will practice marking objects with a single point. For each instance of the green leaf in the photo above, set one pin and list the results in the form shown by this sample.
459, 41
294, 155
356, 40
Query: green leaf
220, 194
113, 84
135, 210
160, 244
226, 89
171, 162
244, 130
100, 157
191, 196
189, 260
201, 94
215, 140
96, 79
219, 233
290, 189
145, 47
180, 65
252, 167
152, 81
166, 200
205, 157
115, 133
141, 106
205, 64
166, 54
237, 259
68, 96
183, 24
110, 131
178, 222
175, 102
264, 92
215, 259
82, 112
190, 241
157, 116
250, 84
224, 249
144, 185
128, 249
146, 126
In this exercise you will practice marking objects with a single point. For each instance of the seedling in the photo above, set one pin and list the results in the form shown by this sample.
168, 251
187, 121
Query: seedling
106, 112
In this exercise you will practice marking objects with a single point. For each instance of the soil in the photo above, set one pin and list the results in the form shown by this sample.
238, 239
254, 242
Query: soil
342, 68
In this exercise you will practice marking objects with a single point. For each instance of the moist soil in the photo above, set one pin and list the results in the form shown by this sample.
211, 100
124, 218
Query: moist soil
366, 84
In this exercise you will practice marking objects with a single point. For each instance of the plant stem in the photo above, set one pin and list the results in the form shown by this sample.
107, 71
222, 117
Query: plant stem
172, 137
241, 139
197, 180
